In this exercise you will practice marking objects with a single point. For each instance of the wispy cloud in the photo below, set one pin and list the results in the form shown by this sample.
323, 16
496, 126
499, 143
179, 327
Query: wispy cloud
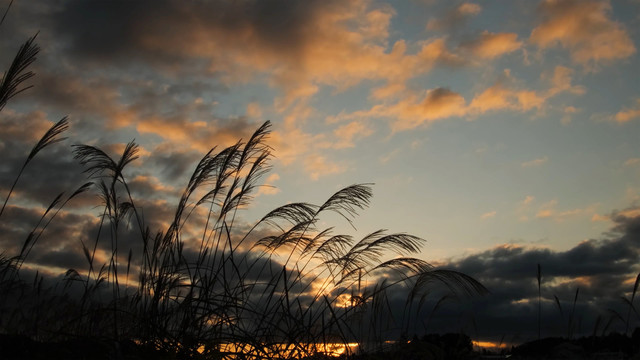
549, 210
318, 166
348, 133
568, 114
454, 17
535, 162
488, 215
528, 200
268, 188
632, 162
388, 157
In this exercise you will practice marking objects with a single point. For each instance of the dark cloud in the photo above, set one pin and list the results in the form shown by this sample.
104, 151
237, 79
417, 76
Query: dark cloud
69, 92
589, 258
62, 235
49, 173
174, 165
70, 259
601, 269
174, 30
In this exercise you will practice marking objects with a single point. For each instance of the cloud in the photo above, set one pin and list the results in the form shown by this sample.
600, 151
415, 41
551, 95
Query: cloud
172, 163
390, 156
49, 173
61, 237
602, 268
149, 187
417, 109
254, 110
291, 144
455, 17
438, 104
628, 114
585, 29
523, 209
413, 110
488, 215
632, 162
598, 217
492, 45
496, 97
23, 128
561, 81
268, 188
318, 166
626, 214
350, 132
549, 211
535, 162
505, 94
568, 112
298, 47
197, 135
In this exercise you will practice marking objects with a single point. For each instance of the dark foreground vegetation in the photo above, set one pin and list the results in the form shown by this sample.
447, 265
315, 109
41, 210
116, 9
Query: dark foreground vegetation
611, 346
428, 347
206, 286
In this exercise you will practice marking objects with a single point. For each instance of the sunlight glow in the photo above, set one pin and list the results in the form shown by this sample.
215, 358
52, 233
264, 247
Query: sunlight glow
284, 350
489, 345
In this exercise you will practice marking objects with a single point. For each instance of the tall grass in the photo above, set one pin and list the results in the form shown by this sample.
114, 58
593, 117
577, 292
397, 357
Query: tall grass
274, 290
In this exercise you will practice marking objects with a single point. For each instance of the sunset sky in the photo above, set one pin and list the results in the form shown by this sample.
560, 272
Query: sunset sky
505, 133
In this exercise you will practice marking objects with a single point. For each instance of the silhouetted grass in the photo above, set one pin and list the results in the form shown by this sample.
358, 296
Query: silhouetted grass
275, 290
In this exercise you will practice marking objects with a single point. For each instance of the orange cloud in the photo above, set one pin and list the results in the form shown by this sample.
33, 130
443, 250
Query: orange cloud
598, 217
546, 213
561, 81
535, 162
549, 211
568, 112
632, 162
254, 110
413, 111
488, 215
503, 95
629, 213
343, 50
438, 104
495, 97
290, 144
628, 114
528, 99
585, 29
350, 132
492, 45
318, 166
469, 9
197, 135
267, 188
334, 43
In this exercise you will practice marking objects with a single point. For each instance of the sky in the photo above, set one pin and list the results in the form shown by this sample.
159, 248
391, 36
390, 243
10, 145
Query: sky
505, 133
